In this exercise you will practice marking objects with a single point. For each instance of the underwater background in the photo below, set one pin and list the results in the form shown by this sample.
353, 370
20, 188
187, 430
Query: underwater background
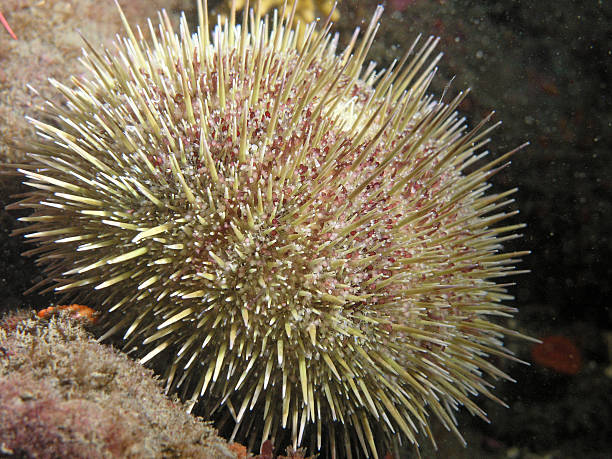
545, 68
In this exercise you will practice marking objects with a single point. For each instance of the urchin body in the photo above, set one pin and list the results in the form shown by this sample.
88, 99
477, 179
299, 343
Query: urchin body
292, 237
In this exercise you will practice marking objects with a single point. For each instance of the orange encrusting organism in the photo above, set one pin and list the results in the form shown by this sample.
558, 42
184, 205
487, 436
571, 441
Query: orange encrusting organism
558, 353
77, 311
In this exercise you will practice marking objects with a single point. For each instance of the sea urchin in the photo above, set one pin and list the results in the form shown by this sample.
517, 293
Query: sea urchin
302, 244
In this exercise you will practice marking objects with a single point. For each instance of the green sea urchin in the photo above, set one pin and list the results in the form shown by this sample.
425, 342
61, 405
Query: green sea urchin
302, 244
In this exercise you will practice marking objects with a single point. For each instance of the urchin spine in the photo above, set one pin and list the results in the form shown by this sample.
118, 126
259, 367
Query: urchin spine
286, 232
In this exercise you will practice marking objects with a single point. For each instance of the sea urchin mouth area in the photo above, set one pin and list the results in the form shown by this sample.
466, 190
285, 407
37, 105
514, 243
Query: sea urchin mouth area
282, 231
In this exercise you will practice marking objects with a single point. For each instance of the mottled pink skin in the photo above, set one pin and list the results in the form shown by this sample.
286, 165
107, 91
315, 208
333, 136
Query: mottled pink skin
372, 238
